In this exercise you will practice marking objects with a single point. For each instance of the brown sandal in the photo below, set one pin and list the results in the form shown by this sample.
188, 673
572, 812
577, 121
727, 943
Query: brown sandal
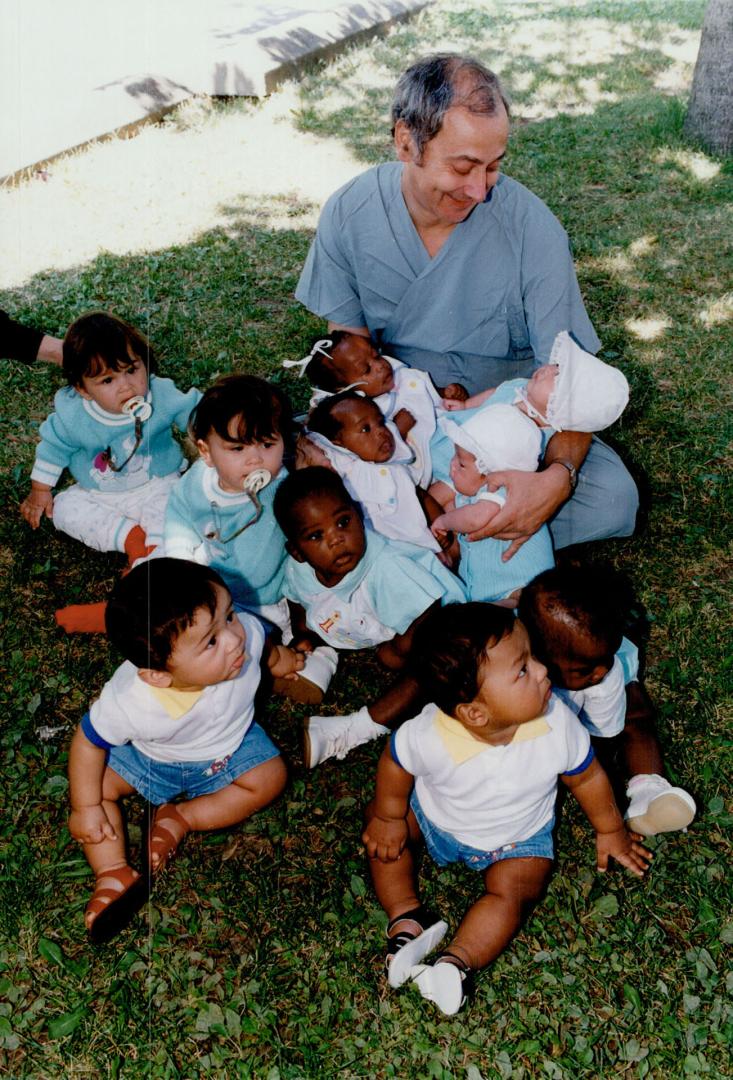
162, 841
110, 908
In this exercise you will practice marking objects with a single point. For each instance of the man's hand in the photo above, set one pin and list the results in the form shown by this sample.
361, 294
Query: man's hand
625, 848
90, 825
385, 838
37, 503
531, 500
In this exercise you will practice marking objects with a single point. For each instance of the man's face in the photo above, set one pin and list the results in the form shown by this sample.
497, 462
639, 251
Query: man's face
457, 168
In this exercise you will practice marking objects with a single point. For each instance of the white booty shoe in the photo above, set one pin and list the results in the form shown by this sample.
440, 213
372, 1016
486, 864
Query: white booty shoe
657, 807
333, 736
443, 983
313, 678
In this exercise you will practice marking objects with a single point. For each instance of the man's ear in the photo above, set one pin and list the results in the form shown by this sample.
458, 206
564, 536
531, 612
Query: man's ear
160, 680
294, 551
471, 714
404, 143
203, 449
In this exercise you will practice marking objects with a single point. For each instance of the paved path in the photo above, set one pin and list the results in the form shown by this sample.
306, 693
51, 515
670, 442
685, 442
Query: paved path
73, 70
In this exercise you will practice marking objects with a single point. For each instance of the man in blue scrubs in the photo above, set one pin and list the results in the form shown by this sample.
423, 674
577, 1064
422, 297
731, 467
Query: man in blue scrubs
464, 273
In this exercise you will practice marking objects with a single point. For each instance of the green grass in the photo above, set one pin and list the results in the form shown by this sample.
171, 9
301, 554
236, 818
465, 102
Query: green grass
261, 957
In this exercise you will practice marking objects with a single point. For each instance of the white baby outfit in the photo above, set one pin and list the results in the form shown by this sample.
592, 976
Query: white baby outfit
488, 796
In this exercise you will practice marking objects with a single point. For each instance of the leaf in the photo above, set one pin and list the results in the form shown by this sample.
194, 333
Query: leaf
50, 951
64, 1025
606, 906
632, 996
358, 888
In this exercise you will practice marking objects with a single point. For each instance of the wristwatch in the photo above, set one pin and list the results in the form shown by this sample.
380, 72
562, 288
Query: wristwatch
572, 472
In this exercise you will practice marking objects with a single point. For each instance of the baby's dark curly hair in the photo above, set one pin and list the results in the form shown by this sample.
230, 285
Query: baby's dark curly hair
569, 602
449, 646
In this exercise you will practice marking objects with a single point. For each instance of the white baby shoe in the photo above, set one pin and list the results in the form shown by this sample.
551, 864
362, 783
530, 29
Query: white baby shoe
333, 736
656, 807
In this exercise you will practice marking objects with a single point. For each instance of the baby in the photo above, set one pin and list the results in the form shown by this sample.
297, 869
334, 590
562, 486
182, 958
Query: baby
503, 438
177, 718
354, 589
112, 429
405, 395
574, 392
575, 623
373, 461
220, 513
474, 777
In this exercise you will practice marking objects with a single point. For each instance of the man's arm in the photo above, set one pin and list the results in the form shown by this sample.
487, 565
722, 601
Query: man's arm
362, 331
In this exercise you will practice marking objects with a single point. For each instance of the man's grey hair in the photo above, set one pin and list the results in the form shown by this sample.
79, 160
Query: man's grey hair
436, 83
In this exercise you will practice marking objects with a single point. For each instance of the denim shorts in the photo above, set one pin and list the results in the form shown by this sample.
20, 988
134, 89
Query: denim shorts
161, 781
444, 848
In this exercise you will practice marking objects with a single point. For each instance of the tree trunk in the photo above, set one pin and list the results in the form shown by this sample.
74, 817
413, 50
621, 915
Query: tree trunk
710, 115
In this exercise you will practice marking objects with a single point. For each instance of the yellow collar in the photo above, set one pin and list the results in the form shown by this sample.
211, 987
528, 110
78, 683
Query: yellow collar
461, 745
175, 702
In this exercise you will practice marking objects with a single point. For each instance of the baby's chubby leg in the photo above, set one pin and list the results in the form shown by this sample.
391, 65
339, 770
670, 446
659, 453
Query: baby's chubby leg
230, 805
118, 891
513, 887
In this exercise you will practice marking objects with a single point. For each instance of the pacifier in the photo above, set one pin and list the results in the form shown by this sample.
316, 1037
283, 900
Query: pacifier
256, 481
138, 408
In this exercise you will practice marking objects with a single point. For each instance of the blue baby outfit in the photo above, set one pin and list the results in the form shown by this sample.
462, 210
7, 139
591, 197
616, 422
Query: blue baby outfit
200, 519
483, 573
78, 433
392, 585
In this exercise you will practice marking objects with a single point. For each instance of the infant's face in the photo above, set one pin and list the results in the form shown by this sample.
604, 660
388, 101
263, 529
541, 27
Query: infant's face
111, 389
329, 536
465, 476
540, 387
356, 360
363, 430
583, 666
234, 460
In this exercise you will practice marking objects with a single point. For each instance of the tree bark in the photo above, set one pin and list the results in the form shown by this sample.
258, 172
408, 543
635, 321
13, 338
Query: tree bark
710, 114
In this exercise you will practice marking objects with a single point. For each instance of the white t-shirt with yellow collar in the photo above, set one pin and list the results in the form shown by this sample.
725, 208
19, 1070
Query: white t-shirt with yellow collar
178, 725
488, 796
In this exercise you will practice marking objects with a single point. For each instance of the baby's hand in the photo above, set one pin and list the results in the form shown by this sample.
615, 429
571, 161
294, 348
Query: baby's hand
285, 663
404, 421
90, 825
454, 392
37, 503
625, 847
384, 838
307, 453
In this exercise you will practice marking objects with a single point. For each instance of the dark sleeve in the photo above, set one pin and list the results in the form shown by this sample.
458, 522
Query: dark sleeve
18, 342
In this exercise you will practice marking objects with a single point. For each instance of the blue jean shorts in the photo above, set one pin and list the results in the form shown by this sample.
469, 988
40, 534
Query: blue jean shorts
444, 848
161, 781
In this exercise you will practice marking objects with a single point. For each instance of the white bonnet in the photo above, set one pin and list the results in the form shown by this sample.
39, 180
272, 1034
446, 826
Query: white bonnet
589, 395
499, 437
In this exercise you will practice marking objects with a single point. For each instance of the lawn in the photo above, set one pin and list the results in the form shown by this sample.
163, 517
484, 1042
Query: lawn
260, 955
